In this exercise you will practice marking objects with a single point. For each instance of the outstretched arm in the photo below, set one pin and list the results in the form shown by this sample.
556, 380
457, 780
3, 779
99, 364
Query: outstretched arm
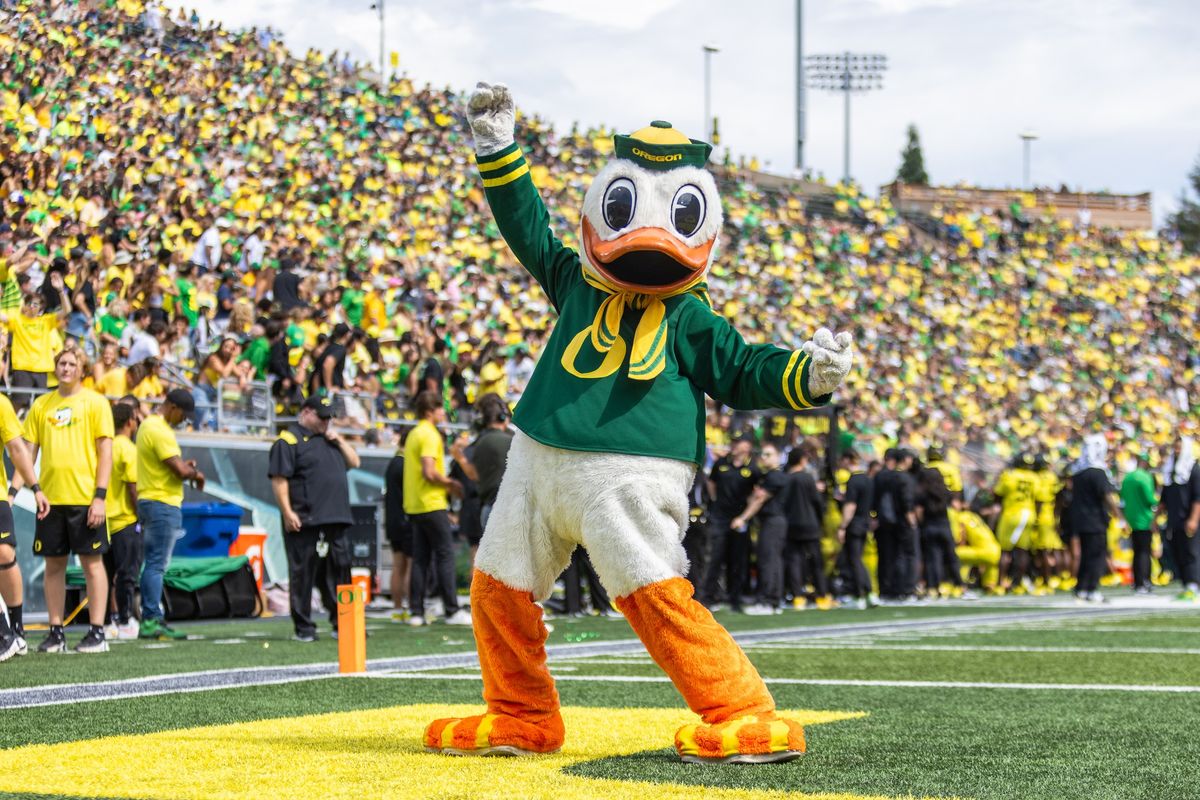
749, 376
514, 199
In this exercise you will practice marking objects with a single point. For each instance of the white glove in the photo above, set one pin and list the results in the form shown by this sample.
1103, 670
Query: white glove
492, 115
831, 357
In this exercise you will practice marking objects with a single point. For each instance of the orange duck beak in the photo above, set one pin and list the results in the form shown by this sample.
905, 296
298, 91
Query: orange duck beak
647, 260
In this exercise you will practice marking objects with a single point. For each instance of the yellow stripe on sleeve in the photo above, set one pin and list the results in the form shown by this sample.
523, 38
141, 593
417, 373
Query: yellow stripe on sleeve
800, 389
787, 380
503, 161
489, 183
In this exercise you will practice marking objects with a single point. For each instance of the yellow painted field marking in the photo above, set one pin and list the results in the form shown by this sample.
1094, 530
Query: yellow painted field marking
365, 754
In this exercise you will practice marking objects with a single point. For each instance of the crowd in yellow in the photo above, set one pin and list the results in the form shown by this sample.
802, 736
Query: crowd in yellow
212, 206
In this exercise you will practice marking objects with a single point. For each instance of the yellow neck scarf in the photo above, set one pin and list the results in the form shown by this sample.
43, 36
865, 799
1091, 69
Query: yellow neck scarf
649, 354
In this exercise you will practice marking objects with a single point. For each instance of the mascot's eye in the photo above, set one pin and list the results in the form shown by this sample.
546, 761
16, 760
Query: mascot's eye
687, 209
619, 201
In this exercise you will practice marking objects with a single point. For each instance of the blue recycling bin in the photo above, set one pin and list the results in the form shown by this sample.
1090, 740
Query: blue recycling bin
208, 529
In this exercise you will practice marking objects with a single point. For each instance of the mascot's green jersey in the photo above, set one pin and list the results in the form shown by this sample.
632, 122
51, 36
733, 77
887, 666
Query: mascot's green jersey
585, 394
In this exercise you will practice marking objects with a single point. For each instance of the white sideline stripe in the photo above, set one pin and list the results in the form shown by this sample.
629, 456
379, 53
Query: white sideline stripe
1124, 629
182, 690
961, 648
1069, 687
35, 696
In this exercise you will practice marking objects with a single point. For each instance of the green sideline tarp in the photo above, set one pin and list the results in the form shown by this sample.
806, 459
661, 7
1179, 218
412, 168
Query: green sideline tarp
185, 574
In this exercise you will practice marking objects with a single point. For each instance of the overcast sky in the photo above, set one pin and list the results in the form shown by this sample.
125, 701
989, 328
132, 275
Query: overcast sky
1110, 86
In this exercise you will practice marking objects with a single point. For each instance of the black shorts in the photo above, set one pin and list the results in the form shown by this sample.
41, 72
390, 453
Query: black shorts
65, 531
8, 532
400, 537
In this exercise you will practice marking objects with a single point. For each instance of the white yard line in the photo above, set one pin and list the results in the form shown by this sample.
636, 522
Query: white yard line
211, 680
962, 648
1070, 687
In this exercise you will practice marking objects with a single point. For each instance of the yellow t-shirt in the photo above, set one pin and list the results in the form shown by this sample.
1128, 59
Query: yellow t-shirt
421, 496
112, 383
150, 386
10, 428
493, 378
117, 505
67, 429
33, 342
155, 480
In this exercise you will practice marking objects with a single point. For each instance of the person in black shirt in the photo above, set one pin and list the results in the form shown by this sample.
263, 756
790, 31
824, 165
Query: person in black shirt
730, 483
767, 502
1091, 507
399, 534
286, 288
1181, 499
329, 370
804, 510
937, 540
852, 533
896, 535
307, 465
433, 373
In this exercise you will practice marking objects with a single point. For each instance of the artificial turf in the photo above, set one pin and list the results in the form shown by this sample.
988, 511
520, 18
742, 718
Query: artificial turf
914, 741
268, 642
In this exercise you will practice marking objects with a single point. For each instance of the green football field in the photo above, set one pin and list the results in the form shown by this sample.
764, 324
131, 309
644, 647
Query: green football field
997, 699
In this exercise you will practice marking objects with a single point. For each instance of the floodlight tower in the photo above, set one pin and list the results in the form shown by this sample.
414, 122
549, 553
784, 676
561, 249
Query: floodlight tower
378, 6
708, 51
846, 73
1027, 138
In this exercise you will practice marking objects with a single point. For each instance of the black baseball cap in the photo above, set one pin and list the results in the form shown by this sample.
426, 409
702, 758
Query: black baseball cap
181, 399
321, 405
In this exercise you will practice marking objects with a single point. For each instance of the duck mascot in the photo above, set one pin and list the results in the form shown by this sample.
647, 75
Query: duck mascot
611, 430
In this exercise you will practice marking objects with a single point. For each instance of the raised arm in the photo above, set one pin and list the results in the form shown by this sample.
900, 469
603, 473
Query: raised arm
515, 202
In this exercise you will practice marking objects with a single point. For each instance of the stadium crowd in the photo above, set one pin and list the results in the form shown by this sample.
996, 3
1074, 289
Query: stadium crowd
191, 207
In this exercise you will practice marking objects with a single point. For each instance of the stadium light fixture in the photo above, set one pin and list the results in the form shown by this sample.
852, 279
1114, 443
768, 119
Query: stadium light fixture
846, 73
1027, 139
709, 124
378, 6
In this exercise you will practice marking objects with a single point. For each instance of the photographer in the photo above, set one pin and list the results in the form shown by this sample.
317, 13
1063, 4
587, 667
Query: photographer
489, 452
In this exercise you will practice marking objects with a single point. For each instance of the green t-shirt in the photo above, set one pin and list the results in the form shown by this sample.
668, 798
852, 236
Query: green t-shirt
1138, 499
257, 353
662, 417
352, 301
113, 326
187, 301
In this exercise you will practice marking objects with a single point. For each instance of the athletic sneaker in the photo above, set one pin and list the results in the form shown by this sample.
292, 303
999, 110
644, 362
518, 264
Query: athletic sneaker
306, 638
416, 621
128, 630
157, 629
8, 646
93, 642
460, 617
760, 610
400, 615
54, 642
968, 594
1187, 596
110, 631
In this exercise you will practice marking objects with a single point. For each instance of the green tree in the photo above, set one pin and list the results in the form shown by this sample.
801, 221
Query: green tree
1187, 219
912, 164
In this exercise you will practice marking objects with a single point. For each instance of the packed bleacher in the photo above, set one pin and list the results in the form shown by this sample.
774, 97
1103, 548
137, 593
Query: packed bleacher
206, 208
